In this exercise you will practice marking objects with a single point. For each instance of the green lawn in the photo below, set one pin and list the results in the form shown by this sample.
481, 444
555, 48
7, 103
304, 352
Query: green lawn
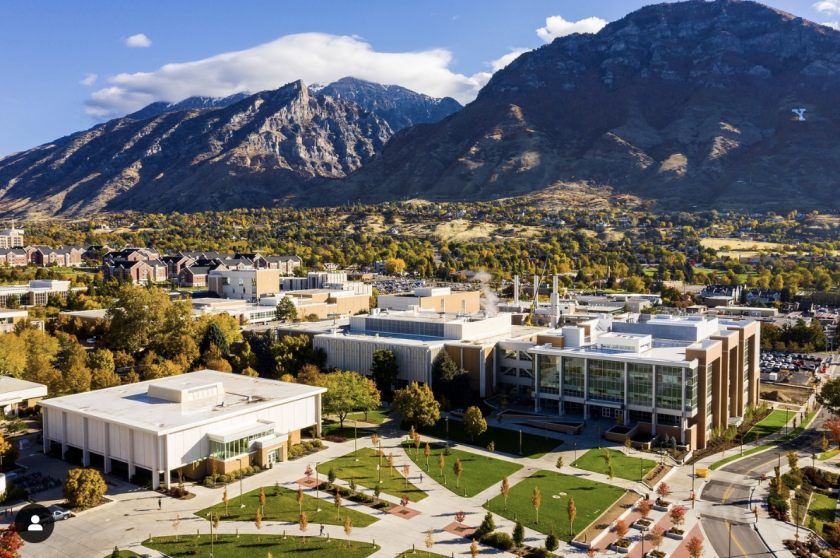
247, 546
479, 472
793, 434
335, 429
123, 554
591, 500
827, 454
624, 467
507, 441
823, 510
771, 424
365, 474
422, 553
374, 417
284, 508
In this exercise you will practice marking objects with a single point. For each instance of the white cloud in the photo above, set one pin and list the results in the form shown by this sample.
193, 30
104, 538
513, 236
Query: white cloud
500, 63
312, 57
89, 79
832, 24
138, 41
828, 6
556, 26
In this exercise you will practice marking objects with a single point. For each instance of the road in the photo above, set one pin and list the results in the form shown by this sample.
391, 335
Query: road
726, 493
745, 543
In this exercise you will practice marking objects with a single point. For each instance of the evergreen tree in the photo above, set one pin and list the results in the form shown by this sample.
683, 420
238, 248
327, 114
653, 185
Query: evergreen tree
215, 336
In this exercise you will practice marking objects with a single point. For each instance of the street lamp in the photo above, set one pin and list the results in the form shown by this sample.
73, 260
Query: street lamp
599, 437
520, 442
241, 476
576, 451
447, 427
355, 437
211, 534
729, 528
317, 483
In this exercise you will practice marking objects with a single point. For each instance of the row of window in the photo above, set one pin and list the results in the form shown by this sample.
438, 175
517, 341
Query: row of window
221, 450
606, 382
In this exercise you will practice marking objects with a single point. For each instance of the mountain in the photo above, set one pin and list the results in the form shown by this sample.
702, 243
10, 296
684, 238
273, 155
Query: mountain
688, 103
399, 106
161, 107
266, 149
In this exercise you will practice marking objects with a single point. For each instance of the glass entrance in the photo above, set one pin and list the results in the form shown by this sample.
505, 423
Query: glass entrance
274, 455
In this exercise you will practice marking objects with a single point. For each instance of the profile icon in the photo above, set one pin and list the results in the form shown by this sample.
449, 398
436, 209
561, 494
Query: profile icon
34, 523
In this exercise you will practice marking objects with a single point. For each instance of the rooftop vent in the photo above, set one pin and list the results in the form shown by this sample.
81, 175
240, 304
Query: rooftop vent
185, 392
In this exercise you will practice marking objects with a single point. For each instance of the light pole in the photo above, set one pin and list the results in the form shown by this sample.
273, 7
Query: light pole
644, 530
599, 437
786, 419
729, 528
241, 476
447, 427
355, 437
317, 497
576, 451
211, 534
520, 442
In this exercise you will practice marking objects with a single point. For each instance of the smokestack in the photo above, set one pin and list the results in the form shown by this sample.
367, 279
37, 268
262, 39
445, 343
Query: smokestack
555, 303
516, 290
464, 307
442, 306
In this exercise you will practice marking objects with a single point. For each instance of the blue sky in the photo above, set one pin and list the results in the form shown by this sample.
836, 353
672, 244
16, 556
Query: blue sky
69, 65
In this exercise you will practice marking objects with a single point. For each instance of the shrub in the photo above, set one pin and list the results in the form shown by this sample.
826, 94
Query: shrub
791, 480
324, 486
83, 487
487, 526
499, 540
208, 481
335, 439
317, 444
541, 553
224, 479
257, 468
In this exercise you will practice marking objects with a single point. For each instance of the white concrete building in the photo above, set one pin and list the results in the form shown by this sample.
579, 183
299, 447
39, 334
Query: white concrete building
182, 423
16, 393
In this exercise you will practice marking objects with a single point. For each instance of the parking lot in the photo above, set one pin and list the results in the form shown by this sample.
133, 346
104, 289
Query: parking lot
798, 368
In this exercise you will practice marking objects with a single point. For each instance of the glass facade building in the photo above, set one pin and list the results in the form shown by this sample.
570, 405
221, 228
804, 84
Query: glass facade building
237, 447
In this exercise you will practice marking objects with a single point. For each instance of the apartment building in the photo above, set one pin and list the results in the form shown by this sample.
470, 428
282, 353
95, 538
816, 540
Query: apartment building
243, 284
11, 237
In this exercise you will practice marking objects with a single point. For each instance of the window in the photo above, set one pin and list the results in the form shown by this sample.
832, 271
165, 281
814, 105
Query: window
669, 389
549, 374
709, 379
667, 419
640, 385
641, 416
573, 380
690, 389
524, 356
606, 380
509, 353
507, 371
221, 450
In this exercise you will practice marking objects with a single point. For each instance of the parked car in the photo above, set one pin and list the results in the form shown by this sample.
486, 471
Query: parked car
457, 412
61, 515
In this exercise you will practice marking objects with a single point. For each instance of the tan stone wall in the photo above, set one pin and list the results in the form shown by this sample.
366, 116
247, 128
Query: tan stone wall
711, 355
555, 340
454, 301
268, 282
472, 364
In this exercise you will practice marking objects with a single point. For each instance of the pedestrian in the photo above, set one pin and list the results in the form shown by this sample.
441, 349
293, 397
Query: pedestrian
160, 504
421, 478
321, 534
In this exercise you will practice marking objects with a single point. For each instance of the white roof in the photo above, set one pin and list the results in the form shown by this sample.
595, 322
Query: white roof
131, 405
13, 390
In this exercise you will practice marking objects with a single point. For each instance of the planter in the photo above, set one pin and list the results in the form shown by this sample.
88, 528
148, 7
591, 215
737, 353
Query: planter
661, 505
677, 535
656, 554
642, 524
618, 547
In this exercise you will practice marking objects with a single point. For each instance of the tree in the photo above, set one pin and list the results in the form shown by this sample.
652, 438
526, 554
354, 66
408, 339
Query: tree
441, 463
214, 336
677, 514
286, 310
394, 265
572, 511
417, 404
226, 500
488, 525
793, 460
644, 507
633, 284
505, 490
10, 542
292, 352
474, 423
337, 504
620, 529
552, 543
176, 524
303, 523
12, 355
430, 542
833, 427
406, 471
694, 547
258, 523
299, 498
391, 463
536, 500
829, 395
427, 451
449, 382
559, 463
656, 536
824, 443
83, 488
346, 392
663, 490
262, 499
348, 529
457, 468
518, 533
384, 369
370, 399
474, 549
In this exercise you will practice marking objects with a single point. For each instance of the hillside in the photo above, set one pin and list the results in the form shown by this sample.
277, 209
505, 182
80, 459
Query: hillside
688, 103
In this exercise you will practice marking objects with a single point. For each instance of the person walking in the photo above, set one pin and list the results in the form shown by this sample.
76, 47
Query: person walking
160, 504
321, 534
421, 478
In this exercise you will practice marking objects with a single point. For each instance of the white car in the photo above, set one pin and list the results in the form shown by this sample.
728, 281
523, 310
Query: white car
61, 515
457, 412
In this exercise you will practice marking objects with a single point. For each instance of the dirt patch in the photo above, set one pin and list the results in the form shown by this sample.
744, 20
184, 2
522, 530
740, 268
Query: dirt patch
606, 519
737, 244
785, 394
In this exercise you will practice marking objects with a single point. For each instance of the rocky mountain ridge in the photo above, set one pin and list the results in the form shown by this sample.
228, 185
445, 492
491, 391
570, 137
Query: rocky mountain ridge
266, 149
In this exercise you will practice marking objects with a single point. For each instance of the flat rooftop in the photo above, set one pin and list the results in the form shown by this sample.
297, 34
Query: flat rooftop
673, 355
130, 405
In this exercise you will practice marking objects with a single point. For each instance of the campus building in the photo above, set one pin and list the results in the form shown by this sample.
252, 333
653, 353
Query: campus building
677, 376
190, 423
439, 299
